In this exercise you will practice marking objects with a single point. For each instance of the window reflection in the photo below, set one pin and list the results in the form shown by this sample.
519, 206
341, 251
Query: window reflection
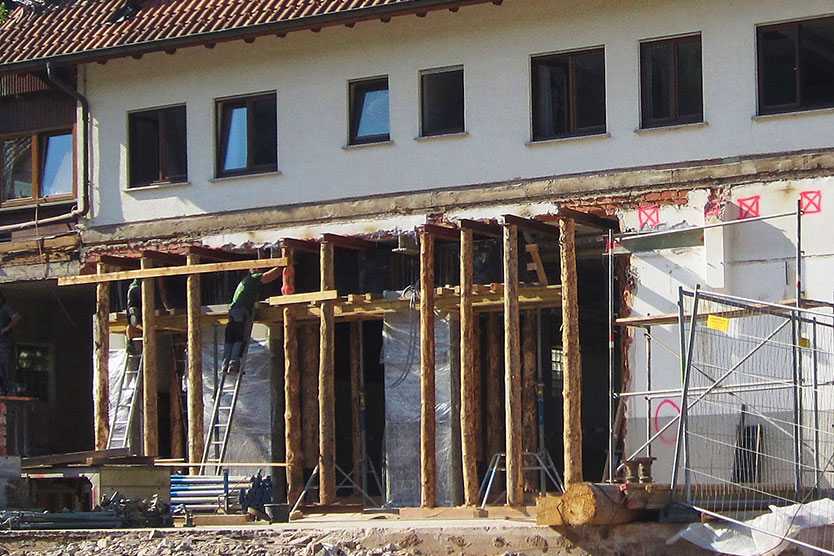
235, 140
17, 168
57, 166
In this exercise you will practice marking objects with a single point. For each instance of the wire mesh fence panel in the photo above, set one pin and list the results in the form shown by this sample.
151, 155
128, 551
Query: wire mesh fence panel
757, 418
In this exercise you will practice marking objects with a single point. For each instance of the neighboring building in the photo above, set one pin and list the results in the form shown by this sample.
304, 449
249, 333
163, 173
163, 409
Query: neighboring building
235, 124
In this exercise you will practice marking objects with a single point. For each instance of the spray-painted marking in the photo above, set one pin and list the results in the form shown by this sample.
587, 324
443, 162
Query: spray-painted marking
810, 202
748, 207
667, 437
649, 216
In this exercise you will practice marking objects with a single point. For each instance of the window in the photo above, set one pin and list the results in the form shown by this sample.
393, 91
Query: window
441, 101
796, 66
369, 111
37, 166
671, 82
157, 146
568, 94
247, 136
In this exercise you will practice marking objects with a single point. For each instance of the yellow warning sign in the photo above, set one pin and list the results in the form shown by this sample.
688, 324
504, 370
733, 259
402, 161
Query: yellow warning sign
804, 342
718, 323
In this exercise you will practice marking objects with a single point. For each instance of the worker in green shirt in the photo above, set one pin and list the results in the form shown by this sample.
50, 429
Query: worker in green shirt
241, 311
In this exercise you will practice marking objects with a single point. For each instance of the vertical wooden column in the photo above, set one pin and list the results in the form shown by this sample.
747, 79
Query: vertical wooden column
101, 371
477, 386
308, 337
327, 406
468, 412
572, 365
356, 396
294, 456
512, 369
529, 401
175, 415
428, 456
494, 421
194, 372
149, 366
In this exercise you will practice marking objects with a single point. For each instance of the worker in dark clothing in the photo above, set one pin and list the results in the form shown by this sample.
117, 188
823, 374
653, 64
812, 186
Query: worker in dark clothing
133, 305
241, 312
8, 320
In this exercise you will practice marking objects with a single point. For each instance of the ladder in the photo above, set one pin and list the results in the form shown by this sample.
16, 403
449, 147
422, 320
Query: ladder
129, 387
225, 400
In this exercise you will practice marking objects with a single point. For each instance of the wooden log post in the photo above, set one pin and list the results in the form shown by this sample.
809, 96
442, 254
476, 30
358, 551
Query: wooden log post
512, 369
327, 396
292, 408
572, 365
150, 420
194, 371
175, 415
308, 336
591, 504
101, 371
468, 412
494, 415
529, 401
356, 397
477, 386
428, 456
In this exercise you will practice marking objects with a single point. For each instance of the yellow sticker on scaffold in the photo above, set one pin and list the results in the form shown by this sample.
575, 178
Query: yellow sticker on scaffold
718, 323
804, 343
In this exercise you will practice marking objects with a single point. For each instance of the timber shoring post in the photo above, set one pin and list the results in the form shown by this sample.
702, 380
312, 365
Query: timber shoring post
194, 373
292, 408
327, 406
529, 401
175, 414
101, 346
308, 337
477, 386
428, 459
512, 369
572, 366
149, 361
355, 398
494, 420
468, 411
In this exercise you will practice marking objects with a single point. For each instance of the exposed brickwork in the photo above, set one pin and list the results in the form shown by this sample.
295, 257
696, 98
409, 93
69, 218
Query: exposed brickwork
610, 205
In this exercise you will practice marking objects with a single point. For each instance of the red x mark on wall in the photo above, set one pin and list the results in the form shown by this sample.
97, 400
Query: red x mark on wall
748, 207
810, 202
649, 217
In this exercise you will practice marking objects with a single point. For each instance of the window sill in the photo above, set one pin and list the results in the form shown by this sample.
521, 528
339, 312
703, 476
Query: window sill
245, 176
442, 136
589, 137
793, 114
671, 127
363, 145
156, 186
10, 206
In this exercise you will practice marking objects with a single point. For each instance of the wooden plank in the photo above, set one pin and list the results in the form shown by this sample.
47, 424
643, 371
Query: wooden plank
53, 244
356, 397
306, 245
74, 457
529, 401
163, 257
535, 226
349, 242
588, 219
308, 297
292, 408
672, 318
538, 266
428, 463
216, 255
327, 394
468, 412
442, 232
572, 365
194, 372
131, 263
101, 358
149, 365
512, 370
171, 271
485, 229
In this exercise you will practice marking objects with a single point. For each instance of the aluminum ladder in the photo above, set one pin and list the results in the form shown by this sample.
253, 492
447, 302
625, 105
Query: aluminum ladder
129, 387
225, 400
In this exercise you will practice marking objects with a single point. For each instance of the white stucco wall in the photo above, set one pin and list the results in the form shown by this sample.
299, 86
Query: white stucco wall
309, 72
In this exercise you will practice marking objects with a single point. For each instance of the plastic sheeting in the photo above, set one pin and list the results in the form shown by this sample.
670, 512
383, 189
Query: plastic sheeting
401, 451
765, 535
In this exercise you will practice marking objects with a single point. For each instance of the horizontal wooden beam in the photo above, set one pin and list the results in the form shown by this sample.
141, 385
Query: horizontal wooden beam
217, 255
442, 232
129, 263
164, 257
486, 229
588, 219
309, 297
534, 226
349, 242
172, 271
301, 245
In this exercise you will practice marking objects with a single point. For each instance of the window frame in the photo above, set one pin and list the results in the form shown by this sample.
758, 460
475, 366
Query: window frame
160, 147
796, 27
574, 131
248, 102
38, 137
676, 119
364, 86
422, 108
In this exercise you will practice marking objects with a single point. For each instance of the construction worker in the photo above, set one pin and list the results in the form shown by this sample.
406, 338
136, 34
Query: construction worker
134, 309
241, 312
8, 320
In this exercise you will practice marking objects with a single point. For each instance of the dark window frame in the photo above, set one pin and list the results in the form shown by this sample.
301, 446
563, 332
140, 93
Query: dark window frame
535, 103
162, 149
796, 28
247, 102
674, 96
357, 90
39, 139
424, 108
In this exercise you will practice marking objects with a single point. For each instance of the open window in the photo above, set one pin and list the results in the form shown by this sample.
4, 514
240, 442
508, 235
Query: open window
37, 166
441, 99
369, 122
158, 146
247, 135
671, 81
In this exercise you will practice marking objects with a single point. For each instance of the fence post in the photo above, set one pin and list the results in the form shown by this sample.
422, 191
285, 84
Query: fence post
686, 366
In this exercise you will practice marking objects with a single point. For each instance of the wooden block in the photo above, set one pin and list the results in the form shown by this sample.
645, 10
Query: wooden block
297, 298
